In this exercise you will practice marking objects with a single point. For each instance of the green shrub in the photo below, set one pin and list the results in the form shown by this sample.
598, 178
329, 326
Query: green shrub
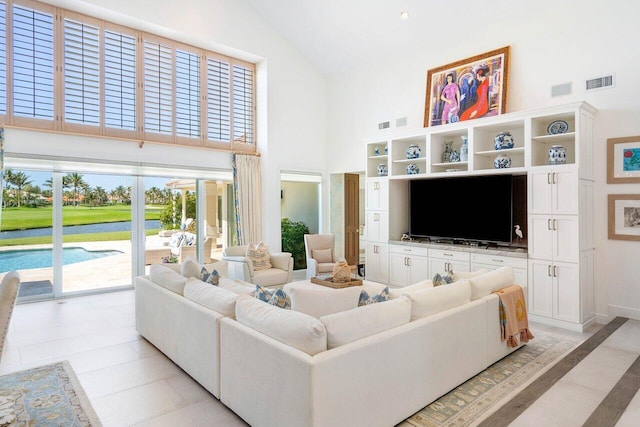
166, 216
293, 241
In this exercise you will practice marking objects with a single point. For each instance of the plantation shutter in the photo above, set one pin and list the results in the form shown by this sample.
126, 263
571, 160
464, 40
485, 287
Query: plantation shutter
218, 100
158, 89
33, 72
243, 82
81, 73
3, 60
119, 83
187, 94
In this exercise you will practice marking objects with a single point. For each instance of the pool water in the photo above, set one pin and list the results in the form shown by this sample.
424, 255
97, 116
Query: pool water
42, 258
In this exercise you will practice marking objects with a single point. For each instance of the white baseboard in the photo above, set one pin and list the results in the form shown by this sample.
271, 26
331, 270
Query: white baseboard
631, 313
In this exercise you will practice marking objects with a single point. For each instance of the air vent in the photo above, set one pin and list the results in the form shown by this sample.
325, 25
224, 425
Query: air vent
600, 82
383, 125
561, 89
402, 121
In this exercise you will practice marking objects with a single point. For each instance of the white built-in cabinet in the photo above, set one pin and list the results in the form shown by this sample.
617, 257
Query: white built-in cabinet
558, 269
407, 265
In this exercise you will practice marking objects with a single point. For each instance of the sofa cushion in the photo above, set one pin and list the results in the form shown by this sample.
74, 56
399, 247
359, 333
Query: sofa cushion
167, 278
351, 325
398, 292
426, 302
275, 297
483, 284
213, 297
259, 256
239, 287
322, 255
366, 299
457, 275
190, 268
319, 301
295, 329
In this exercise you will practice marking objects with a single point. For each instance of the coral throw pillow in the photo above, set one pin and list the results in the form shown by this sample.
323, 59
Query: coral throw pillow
259, 256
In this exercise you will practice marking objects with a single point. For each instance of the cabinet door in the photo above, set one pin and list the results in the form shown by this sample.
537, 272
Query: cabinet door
417, 269
566, 292
398, 270
377, 262
539, 192
566, 243
377, 226
377, 197
540, 288
540, 237
564, 192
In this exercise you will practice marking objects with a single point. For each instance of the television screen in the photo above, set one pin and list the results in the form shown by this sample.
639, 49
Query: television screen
473, 208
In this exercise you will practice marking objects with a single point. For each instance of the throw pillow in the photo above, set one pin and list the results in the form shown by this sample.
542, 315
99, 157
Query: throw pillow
275, 297
259, 256
365, 299
190, 268
318, 301
212, 278
443, 280
322, 255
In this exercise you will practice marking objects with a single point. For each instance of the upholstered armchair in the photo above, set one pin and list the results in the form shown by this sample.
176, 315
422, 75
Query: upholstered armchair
8, 294
241, 267
320, 254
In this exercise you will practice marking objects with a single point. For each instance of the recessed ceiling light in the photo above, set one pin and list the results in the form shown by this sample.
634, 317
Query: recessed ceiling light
404, 15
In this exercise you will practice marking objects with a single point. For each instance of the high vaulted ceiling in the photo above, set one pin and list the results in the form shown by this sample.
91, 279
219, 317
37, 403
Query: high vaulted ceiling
338, 35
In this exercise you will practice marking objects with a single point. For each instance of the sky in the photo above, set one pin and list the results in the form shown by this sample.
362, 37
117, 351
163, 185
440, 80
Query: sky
108, 182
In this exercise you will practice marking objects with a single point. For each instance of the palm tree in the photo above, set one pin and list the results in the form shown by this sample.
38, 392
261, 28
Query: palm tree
48, 184
101, 195
120, 193
20, 180
75, 181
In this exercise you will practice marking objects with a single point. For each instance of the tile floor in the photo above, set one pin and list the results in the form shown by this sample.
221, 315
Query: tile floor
130, 383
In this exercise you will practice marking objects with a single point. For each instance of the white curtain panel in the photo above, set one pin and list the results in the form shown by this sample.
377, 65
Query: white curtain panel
1, 170
248, 198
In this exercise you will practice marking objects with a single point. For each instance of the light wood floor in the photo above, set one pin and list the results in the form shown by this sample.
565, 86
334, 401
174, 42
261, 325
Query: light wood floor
130, 383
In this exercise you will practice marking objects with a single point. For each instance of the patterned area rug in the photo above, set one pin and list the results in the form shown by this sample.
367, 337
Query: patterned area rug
477, 398
46, 396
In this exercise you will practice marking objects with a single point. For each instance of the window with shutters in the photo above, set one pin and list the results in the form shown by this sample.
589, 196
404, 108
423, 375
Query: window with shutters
65, 71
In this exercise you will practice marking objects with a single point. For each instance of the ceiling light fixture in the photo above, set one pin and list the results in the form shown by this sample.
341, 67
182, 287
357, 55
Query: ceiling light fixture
404, 15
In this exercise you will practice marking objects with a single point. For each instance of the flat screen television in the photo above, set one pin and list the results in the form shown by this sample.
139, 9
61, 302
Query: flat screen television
473, 208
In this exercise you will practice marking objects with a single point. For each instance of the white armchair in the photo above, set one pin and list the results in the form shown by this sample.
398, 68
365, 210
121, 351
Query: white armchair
241, 267
9, 288
320, 254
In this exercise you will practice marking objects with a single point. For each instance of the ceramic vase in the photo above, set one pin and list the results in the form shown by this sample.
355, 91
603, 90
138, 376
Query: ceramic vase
557, 155
454, 156
503, 141
382, 169
412, 169
446, 154
413, 152
376, 151
464, 149
502, 162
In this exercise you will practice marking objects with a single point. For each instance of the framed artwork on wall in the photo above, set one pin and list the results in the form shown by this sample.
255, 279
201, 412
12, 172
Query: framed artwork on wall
623, 160
624, 216
468, 89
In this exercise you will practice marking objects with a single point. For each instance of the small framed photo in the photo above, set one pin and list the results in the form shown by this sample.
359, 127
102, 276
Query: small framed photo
623, 160
468, 89
624, 216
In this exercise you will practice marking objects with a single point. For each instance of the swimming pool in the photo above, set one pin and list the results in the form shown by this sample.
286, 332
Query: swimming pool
41, 258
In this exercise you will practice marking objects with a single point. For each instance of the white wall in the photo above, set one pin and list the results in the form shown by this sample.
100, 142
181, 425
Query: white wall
292, 101
552, 42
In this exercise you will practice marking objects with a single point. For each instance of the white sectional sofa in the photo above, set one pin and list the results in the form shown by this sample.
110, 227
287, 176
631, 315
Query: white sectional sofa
276, 367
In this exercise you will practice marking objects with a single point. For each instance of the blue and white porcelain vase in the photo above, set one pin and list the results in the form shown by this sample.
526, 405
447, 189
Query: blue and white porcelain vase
382, 169
376, 151
464, 149
454, 156
446, 154
503, 141
412, 169
386, 150
413, 152
557, 155
502, 162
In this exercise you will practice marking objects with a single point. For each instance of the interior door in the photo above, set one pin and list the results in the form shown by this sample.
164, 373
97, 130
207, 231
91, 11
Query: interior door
351, 218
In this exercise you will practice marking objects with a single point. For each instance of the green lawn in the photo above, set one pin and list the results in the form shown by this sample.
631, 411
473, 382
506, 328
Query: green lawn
92, 237
24, 218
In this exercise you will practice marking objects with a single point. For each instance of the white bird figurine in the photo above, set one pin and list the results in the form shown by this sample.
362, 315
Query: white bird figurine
518, 231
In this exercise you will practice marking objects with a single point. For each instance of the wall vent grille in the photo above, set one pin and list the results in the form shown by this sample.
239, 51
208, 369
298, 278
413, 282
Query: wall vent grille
561, 89
383, 125
600, 82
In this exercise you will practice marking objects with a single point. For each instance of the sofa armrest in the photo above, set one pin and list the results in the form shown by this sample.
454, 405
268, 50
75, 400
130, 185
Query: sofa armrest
280, 260
239, 267
312, 268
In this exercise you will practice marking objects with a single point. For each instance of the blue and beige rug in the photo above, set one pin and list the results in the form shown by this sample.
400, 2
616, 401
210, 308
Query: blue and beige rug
478, 397
45, 396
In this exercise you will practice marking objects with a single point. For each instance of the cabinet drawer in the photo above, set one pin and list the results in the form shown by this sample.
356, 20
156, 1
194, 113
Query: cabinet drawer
450, 255
499, 261
408, 250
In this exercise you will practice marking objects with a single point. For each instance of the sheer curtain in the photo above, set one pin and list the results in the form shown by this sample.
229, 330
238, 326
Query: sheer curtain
1, 169
248, 198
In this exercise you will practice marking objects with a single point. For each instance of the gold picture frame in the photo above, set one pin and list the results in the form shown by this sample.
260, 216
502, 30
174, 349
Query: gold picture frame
478, 88
624, 216
623, 160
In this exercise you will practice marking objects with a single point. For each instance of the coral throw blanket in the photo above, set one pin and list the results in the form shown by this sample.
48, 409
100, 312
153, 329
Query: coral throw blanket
513, 315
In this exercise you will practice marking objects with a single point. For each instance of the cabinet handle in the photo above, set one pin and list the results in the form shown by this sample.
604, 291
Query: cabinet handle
447, 266
549, 270
548, 177
408, 262
549, 224
497, 260
555, 224
447, 254
555, 271
555, 181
